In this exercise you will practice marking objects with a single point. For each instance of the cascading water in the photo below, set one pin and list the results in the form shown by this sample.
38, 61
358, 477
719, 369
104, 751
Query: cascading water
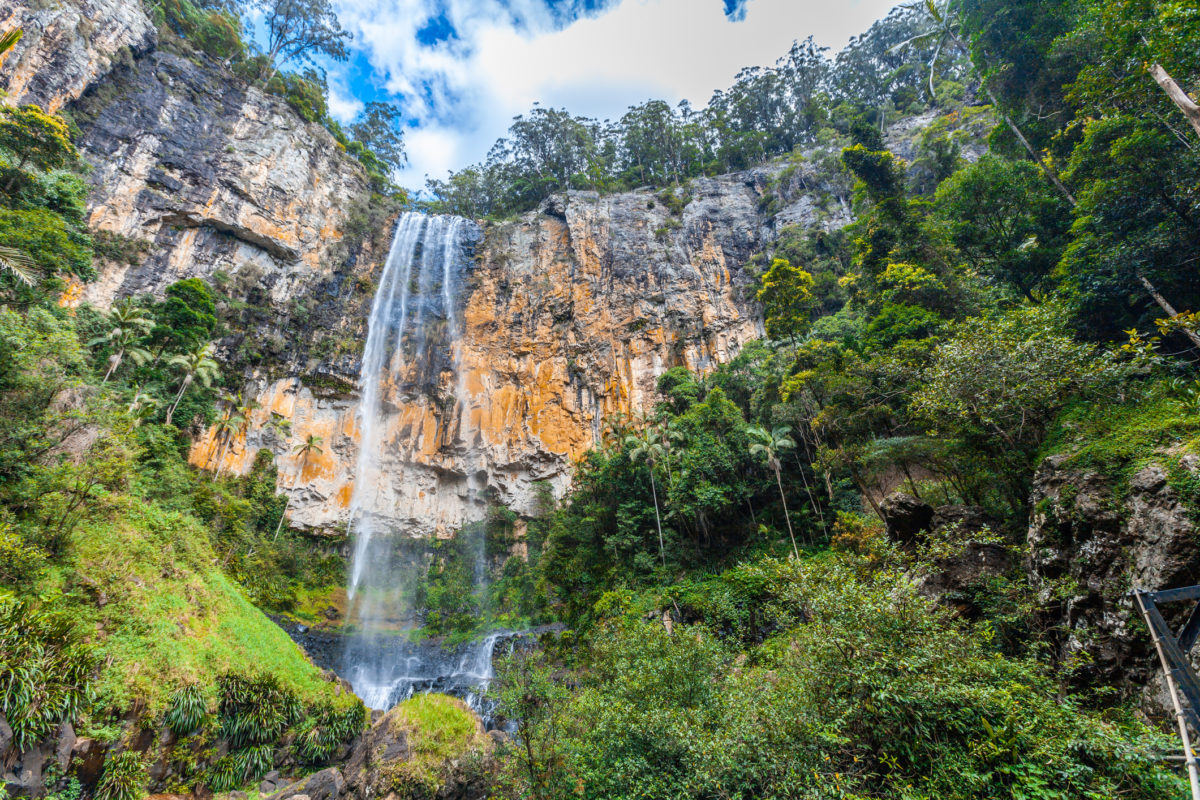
413, 339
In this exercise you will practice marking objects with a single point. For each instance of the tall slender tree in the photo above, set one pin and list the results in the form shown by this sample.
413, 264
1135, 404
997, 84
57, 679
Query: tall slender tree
130, 324
300, 30
197, 364
768, 444
311, 444
647, 446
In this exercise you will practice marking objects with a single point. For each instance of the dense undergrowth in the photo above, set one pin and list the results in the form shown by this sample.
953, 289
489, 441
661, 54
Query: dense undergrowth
128, 579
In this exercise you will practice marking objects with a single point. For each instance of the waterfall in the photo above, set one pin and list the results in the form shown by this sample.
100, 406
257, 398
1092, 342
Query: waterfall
413, 339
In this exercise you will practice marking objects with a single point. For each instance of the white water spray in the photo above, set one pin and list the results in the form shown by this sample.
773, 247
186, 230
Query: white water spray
414, 335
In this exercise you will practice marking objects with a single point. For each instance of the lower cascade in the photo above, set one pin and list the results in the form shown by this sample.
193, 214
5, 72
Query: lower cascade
413, 348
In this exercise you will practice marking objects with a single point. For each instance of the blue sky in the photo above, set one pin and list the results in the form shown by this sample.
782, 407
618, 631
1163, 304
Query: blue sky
462, 69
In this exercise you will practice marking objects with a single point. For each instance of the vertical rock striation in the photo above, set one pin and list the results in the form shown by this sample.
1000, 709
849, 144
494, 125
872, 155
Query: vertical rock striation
568, 315
68, 45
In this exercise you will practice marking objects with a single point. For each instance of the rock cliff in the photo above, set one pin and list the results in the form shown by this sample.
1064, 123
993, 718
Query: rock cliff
1092, 538
68, 46
568, 315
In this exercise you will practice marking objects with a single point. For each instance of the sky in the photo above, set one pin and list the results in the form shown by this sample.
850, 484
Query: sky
462, 69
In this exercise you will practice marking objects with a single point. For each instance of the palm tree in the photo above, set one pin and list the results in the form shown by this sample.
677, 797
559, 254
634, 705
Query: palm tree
312, 444
769, 443
17, 263
129, 324
9, 40
648, 446
226, 427
196, 364
236, 421
142, 406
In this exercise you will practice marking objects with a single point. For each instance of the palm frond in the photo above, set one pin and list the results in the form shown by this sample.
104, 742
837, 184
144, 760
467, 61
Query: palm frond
9, 40
17, 263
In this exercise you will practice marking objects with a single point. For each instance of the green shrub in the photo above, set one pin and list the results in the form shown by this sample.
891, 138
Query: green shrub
323, 732
187, 710
865, 689
254, 762
124, 777
255, 710
45, 670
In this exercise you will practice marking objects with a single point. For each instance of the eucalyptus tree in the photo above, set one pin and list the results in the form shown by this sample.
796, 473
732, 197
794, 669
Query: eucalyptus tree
378, 127
129, 325
301, 31
945, 35
768, 444
196, 364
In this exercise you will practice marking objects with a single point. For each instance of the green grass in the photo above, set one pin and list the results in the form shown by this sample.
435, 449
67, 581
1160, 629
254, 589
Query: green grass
148, 589
1118, 438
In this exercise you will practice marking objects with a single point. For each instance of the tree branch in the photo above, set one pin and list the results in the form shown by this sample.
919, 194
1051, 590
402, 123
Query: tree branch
1178, 96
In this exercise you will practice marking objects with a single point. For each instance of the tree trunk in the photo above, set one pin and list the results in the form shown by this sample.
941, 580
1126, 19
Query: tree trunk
1167, 307
16, 173
786, 515
662, 551
1047, 170
171, 411
1178, 96
282, 517
114, 361
221, 456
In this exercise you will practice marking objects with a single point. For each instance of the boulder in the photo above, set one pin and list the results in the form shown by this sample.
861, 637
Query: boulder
324, 785
955, 579
906, 518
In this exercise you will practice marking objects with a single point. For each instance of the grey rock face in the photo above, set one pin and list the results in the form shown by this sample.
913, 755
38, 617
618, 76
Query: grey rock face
68, 45
324, 785
217, 176
1089, 545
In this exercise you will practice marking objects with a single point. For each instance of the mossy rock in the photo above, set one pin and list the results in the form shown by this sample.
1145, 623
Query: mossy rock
445, 744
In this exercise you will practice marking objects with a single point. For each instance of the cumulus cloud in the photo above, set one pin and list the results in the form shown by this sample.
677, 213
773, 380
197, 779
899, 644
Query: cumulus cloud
462, 69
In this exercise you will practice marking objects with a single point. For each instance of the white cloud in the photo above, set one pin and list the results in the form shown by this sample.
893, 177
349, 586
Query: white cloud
343, 106
463, 93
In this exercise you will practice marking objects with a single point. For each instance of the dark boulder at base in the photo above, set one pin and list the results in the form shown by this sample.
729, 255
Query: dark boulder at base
324, 785
906, 518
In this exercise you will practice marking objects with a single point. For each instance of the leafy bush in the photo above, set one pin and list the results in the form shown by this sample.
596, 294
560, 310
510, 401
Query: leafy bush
187, 709
866, 689
124, 777
45, 669
255, 710
323, 732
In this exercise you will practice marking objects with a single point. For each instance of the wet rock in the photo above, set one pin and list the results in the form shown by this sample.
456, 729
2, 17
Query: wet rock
87, 760
906, 517
6, 735
324, 785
